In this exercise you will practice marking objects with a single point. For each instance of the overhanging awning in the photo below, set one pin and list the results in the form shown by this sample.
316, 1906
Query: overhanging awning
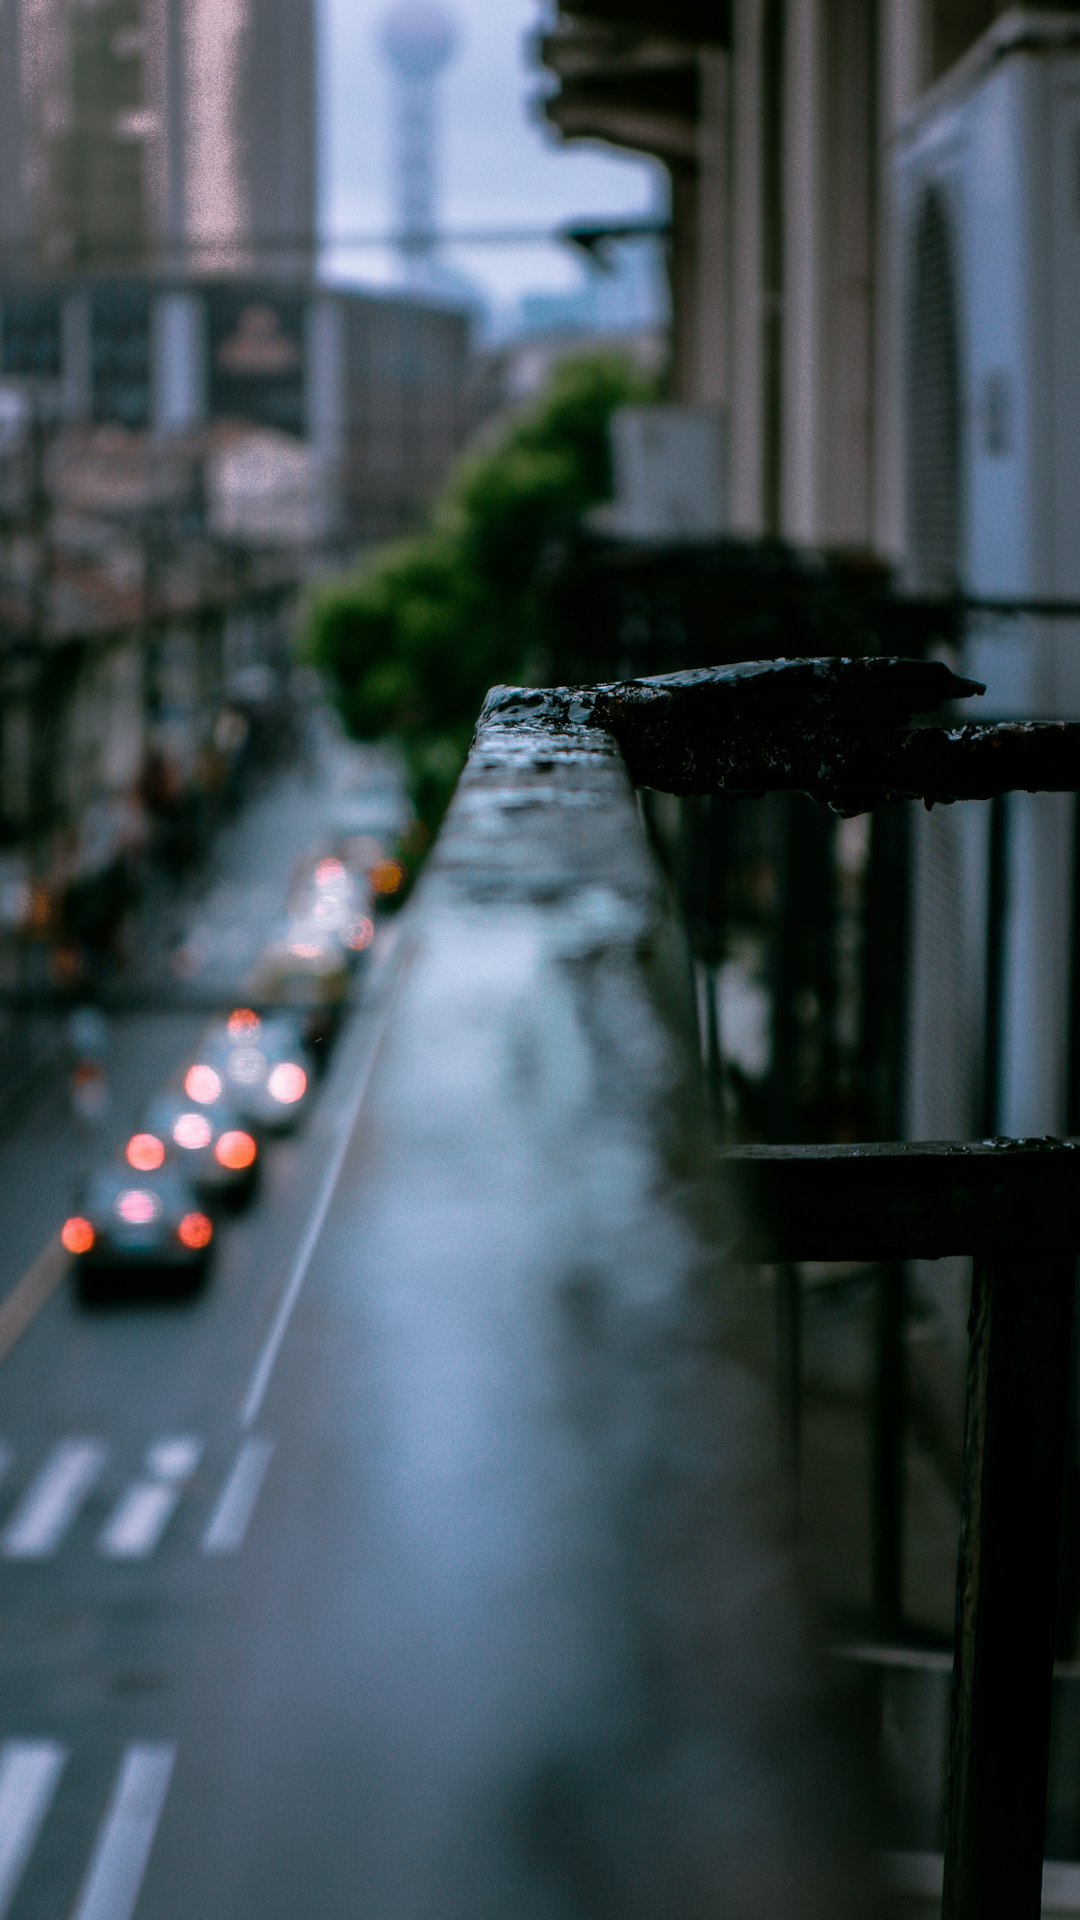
631, 90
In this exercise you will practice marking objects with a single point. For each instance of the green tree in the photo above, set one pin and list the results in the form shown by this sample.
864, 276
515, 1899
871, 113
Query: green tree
415, 637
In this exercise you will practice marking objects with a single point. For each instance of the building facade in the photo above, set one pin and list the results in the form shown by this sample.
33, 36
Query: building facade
875, 265
158, 132
369, 394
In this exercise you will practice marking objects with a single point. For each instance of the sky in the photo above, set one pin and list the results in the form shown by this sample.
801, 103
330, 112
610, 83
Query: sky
499, 166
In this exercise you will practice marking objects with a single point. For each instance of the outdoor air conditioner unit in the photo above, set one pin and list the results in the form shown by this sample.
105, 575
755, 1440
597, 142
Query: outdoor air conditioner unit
987, 221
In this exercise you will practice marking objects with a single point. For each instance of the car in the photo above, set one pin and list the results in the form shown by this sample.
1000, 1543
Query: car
305, 971
257, 1064
210, 1147
131, 1225
326, 899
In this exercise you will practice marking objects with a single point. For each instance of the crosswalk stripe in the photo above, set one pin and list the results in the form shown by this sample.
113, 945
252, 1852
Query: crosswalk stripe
137, 1523
175, 1458
53, 1500
230, 1518
120, 1856
143, 1512
29, 1775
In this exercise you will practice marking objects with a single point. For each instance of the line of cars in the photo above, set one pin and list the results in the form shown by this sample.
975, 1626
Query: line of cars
197, 1151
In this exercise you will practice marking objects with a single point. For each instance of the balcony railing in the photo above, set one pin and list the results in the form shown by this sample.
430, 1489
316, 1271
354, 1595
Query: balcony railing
552, 1237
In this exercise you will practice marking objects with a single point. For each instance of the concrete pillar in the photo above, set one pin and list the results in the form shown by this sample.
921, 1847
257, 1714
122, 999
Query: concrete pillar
746, 391
850, 211
685, 286
714, 188
804, 267
179, 362
75, 355
903, 68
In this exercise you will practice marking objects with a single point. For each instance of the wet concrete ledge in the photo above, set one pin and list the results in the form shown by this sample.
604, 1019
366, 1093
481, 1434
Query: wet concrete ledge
590, 1691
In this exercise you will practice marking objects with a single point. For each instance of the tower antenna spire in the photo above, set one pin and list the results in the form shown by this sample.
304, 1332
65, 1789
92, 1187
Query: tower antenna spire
419, 39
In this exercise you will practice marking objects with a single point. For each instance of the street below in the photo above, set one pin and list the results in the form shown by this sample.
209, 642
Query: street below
159, 1517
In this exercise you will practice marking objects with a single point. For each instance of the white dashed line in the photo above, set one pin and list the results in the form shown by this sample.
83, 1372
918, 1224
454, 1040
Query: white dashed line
52, 1502
230, 1518
260, 1379
29, 1775
123, 1846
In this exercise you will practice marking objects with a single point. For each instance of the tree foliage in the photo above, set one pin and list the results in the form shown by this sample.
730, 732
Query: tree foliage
413, 640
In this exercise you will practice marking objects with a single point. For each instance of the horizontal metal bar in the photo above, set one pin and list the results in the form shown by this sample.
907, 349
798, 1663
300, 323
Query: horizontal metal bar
905, 1202
833, 728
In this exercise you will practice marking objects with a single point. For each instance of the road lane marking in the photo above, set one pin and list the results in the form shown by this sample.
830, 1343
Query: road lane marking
230, 1518
133, 1530
29, 1776
175, 1458
264, 1367
143, 1512
123, 1845
29, 1295
52, 1501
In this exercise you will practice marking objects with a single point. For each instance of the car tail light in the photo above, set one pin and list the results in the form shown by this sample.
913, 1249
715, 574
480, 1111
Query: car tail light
235, 1151
287, 1083
193, 1130
77, 1235
196, 1230
145, 1152
203, 1084
359, 933
243, 1023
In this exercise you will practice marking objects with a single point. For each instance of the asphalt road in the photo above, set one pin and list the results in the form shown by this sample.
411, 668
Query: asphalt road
161, 1698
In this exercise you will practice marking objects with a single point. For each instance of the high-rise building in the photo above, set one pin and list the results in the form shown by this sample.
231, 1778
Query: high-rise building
157, 132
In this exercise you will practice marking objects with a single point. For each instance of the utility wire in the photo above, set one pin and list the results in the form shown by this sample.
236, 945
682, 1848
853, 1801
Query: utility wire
589, 234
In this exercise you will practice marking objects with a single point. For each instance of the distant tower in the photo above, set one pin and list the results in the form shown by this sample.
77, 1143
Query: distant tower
419, 40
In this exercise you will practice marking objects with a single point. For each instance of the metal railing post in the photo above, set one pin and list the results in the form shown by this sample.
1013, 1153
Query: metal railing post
1006, 1586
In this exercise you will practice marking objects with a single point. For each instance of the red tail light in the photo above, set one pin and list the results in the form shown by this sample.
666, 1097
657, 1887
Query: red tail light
196, 1230
77, 1235
359, 933
145, 1152
236, 1151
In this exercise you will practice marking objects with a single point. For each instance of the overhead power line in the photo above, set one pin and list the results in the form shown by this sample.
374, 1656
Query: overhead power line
589, 234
